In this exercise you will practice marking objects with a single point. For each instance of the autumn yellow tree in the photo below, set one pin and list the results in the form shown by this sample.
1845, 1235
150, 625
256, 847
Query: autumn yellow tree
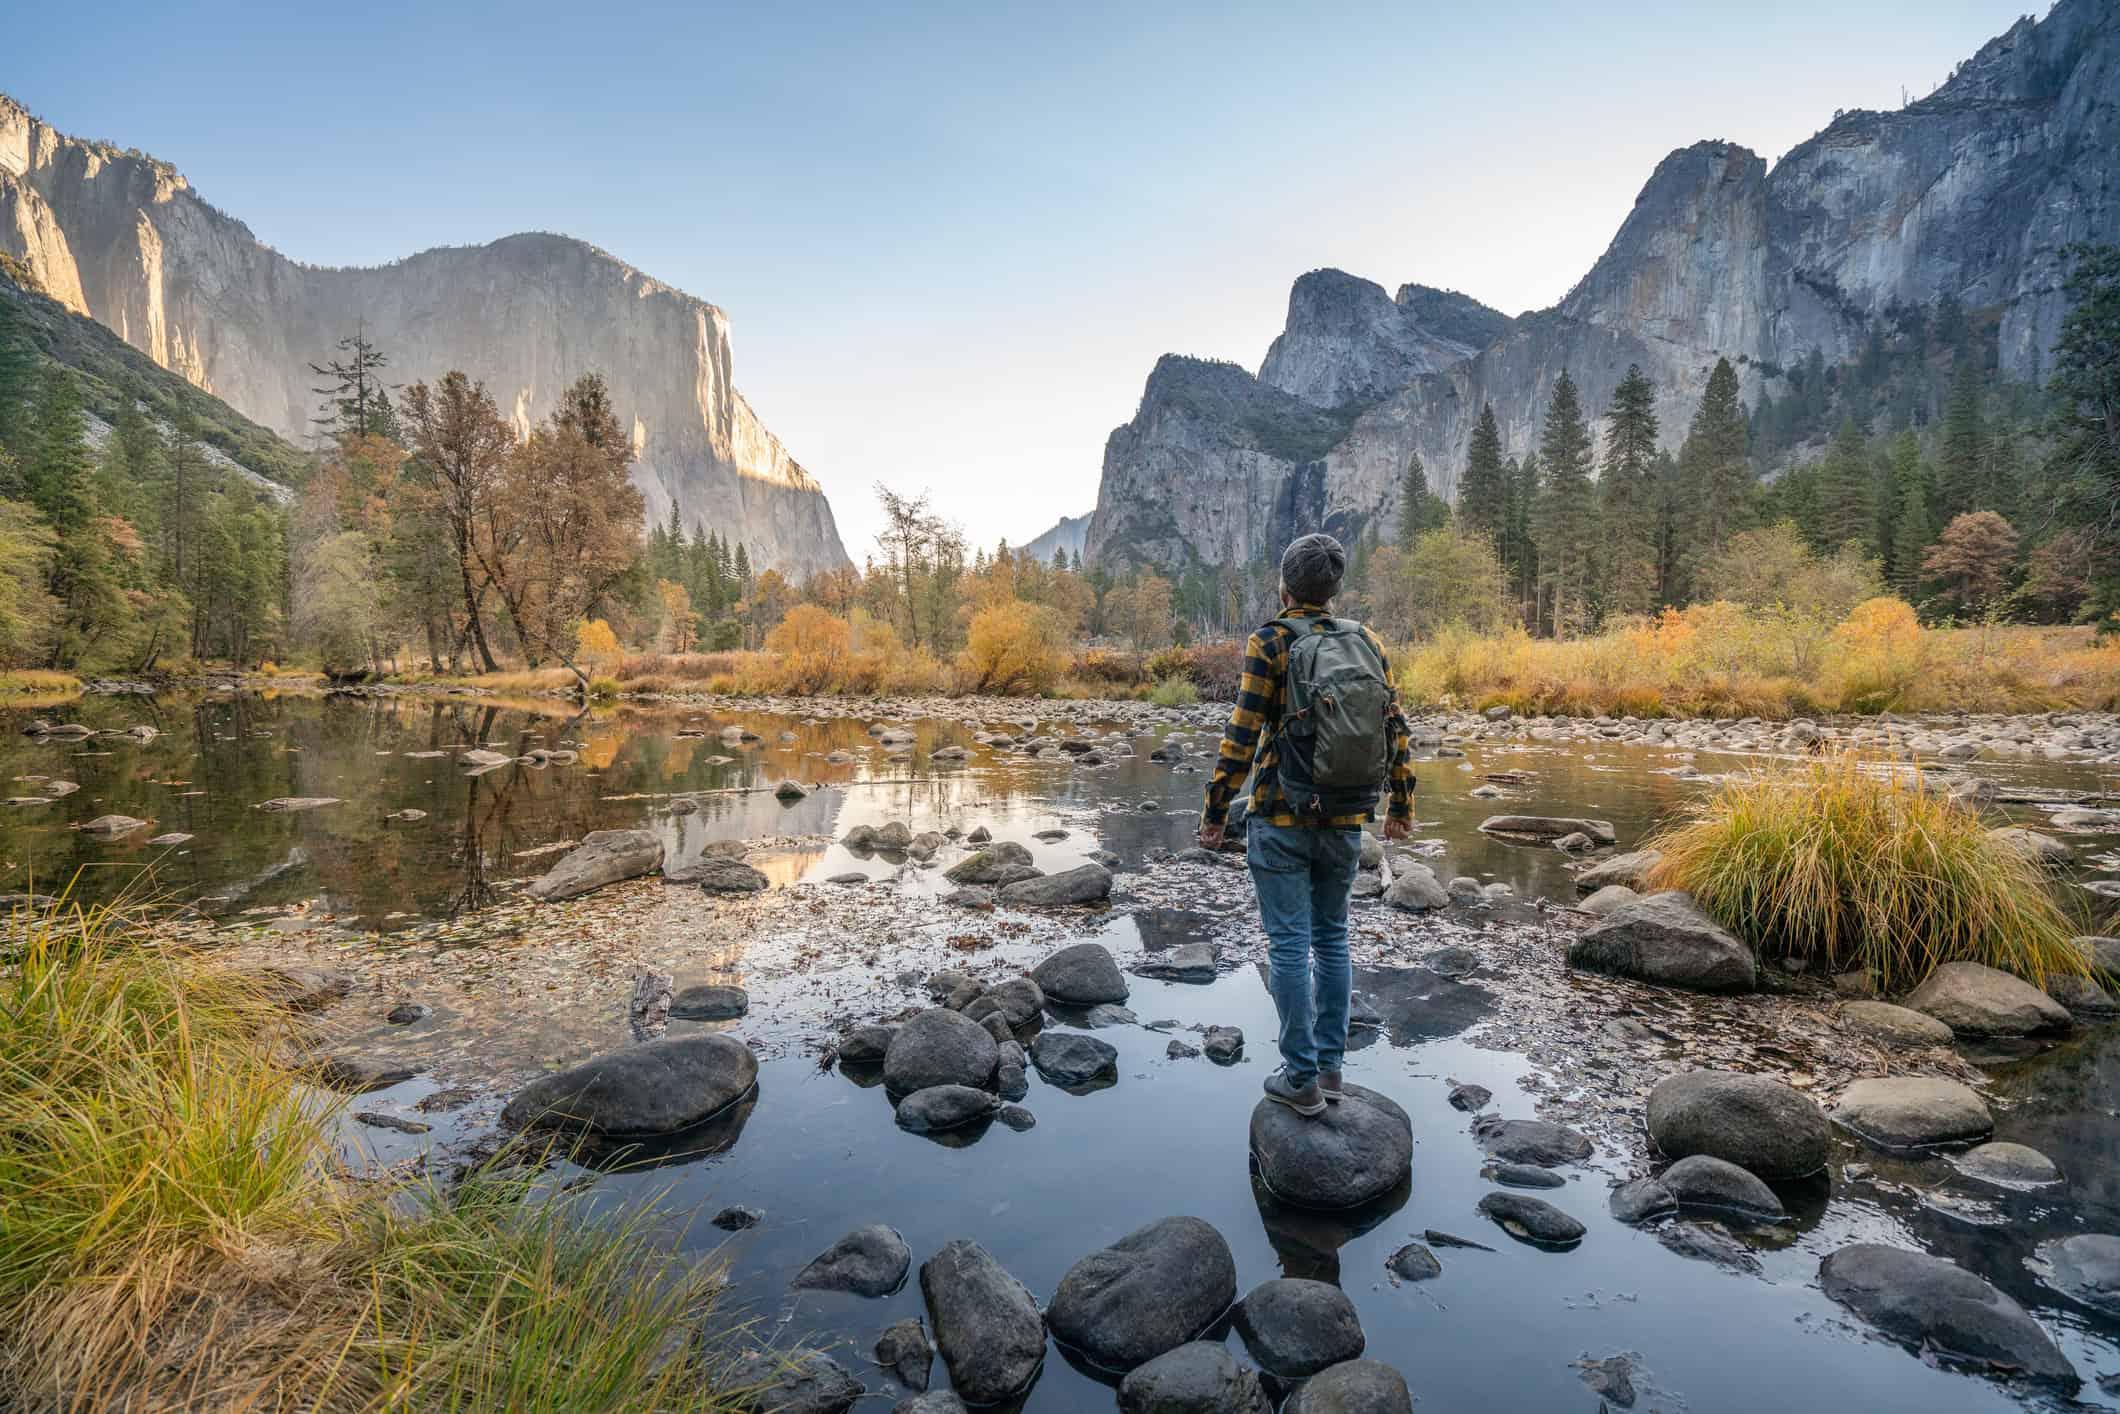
1012, 648
680, 624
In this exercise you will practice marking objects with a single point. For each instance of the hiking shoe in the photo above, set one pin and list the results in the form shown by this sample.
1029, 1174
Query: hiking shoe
1305, 1100
1329, 1086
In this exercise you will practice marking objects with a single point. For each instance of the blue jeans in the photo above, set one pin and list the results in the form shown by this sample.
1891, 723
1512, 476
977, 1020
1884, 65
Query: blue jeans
1303, 875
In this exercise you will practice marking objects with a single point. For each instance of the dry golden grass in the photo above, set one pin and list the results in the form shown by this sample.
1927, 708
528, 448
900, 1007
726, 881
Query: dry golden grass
1722, 660
1860, 864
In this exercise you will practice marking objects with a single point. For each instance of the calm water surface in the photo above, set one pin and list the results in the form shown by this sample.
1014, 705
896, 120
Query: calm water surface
820, 1153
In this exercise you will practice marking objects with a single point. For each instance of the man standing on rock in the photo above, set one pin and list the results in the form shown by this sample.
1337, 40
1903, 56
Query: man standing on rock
1316, 713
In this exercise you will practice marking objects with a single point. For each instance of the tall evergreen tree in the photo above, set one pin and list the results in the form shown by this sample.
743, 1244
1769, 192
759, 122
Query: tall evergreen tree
1961, 453
57, 469
1483, 492
1845, 509
1716, 472
18, 391
1419, 508
1913, 521
2084, 466
356, 402
1566, 524
1627, 489
1523, 516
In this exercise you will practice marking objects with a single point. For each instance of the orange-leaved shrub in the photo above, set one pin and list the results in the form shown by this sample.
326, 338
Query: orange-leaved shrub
1012, 649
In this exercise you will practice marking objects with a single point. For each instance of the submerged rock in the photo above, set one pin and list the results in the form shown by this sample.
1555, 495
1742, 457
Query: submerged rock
1148, 1293
808, 1383
1082, 975
661, 1087
1358, 1150
1980, 1002
1708, 1242
1759, 1124
1413, 1262
939, 1047
1930, 1303
2008, 1165
2085, 1268
1630, 871
709, 1003
1201, 1377
290, 803
1642, 1200
1187, 962
1534, 1141
1666, 938
1352, 1387
603, 857
1295, 1327
869, 1261
1070, 1058
1913, 1112
904, 1350
110, 827
945, 1107
1532, 1219
1547, 827
986, 1323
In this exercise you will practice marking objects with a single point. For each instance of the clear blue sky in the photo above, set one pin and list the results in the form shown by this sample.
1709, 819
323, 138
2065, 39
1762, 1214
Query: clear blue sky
953, 238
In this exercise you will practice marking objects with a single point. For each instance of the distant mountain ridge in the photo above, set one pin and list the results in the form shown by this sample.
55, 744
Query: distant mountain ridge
122, 238
1973, 191
1068, 534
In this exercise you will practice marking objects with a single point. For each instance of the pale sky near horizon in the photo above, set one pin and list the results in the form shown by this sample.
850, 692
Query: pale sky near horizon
952, 244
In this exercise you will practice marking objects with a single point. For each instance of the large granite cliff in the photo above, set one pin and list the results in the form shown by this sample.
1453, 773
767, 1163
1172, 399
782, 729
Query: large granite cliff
122, 238
1973, 191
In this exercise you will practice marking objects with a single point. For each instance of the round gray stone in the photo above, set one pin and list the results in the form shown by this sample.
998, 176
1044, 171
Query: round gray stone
2085, 1267
1913, 1112
2008, 1165
1928, 1302
1353, 1387
941, 1107
1531, 1219
1150, 1292
661, 1087
1358, 1150
1202, 1377
1081, 975
1070, 1058
1894, 1025
1703, 1181
1756, 1123
939, 1047
709, 1003
1978, 1001
869, 1261
1295, 1327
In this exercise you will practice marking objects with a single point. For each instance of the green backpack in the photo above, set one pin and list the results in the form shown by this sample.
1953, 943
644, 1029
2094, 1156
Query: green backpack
1335, 750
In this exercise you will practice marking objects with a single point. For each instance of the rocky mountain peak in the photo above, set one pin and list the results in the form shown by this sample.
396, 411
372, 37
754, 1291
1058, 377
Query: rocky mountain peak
1346, 340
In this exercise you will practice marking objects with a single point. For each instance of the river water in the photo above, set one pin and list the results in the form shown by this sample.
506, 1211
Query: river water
819, 1152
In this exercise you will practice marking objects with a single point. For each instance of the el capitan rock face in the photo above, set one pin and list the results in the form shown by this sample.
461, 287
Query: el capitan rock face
1973, 192
124, 239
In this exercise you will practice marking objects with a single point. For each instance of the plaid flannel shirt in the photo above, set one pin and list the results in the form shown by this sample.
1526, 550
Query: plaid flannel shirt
1250, 740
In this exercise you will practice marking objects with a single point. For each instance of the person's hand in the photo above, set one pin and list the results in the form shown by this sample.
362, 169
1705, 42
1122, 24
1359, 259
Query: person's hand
1211, 836
1397, 829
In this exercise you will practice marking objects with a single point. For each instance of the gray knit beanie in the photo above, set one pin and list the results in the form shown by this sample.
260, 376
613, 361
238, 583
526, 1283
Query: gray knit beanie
1312, 568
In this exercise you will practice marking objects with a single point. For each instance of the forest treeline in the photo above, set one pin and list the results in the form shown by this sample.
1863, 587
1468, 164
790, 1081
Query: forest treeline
429, 533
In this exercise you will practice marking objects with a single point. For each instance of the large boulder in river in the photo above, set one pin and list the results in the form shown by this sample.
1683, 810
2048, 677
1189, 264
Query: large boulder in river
603, 857
1979, 1001
1666, 938
1295, 1327
1548, 827
1202, 1377
1081, 975
1913, 1111
1000, 863
1931, 1304
1756, 1123
1352, 1387
1357, 1151
1086, 883
939, 1047
1151, 1291
1629, 870
659, 1088
986, 1323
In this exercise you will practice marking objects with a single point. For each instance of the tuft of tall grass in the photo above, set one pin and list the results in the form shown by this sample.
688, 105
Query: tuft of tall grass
1174, 692
173, 1233
1864, 867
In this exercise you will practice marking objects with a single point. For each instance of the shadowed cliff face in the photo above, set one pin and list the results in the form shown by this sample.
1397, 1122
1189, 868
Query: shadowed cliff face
1973, 191
123, 238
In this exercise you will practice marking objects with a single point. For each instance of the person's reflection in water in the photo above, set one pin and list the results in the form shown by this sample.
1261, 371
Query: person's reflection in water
1308, 1240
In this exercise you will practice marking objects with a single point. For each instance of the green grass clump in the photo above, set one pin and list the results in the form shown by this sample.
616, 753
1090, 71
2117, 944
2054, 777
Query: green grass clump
173, 1234
1174, 692
1864, 868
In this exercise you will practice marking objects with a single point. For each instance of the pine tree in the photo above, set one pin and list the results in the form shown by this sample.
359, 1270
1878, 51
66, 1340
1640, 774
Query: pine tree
1961, 452
1419, 509
183, 506
1483, 493
1670, 528
1716, 473
1913, 521
1566, 524
740, 570
1523, 516
57, 469
1845, 510
18, 390
1626, 488
356, 403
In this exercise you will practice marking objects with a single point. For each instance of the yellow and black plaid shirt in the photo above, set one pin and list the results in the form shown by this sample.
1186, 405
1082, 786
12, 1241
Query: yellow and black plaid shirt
1252, 726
